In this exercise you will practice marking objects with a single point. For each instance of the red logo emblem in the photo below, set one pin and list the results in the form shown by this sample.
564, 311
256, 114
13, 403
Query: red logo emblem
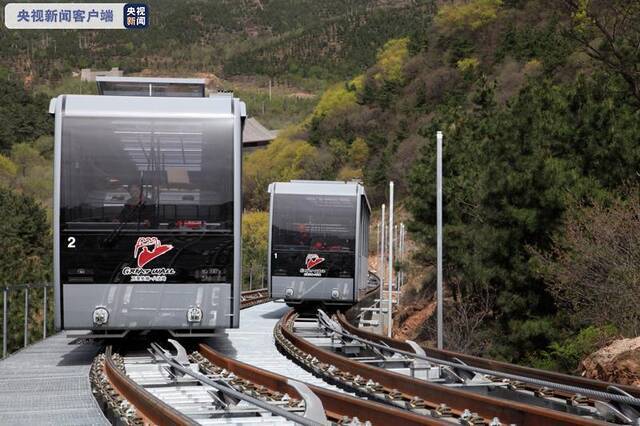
313, 260
145, 255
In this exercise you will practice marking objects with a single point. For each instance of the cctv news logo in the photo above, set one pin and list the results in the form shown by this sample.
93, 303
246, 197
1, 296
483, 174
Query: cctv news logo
145, 250
136, 16
43, 16
311, 262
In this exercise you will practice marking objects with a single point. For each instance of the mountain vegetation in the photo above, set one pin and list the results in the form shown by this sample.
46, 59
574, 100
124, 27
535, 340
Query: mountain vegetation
279, 38
537, 101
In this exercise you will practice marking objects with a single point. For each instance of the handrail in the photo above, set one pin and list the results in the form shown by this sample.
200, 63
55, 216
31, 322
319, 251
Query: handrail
6, 288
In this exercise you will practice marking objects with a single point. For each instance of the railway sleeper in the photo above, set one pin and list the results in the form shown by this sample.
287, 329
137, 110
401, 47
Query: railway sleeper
117, 410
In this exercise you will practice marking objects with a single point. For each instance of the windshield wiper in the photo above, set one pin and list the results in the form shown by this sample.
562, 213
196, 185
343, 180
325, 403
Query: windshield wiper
113, 235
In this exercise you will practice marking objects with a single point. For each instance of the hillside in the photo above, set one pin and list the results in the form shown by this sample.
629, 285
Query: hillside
540, 109
303, 38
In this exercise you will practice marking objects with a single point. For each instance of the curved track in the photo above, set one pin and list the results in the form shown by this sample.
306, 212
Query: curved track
418, 395
489, 364
147, 407
337, 406
341, 354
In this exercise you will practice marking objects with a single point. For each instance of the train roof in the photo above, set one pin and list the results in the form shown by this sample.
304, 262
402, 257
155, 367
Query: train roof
319, 187
146, 107
151, 86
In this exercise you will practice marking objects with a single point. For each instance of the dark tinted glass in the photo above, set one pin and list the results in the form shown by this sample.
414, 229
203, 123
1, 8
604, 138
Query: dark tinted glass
161, 173
314, 222
293, 263
146, 199
129, 88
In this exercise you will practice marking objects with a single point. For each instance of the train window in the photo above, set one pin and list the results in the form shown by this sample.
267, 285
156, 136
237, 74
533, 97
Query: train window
314, 222
159, 89
146, 173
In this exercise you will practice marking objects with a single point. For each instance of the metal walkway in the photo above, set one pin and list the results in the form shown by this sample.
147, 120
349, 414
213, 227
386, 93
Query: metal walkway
47, 383
253, 343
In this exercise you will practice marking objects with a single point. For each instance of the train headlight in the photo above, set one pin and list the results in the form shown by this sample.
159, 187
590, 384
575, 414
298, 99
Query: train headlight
335, 294
100, 316
194, 314
288, 293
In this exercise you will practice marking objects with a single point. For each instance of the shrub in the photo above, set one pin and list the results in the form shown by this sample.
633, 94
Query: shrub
391, 60
471, 15
593, 267
255, 237
566, 356
467, 64
284, 159
335, 99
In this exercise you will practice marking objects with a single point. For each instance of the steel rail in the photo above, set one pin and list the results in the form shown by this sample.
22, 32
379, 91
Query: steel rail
147, 405
336, 405
487, 407
256, 291
562, 382
253, 297
159, 351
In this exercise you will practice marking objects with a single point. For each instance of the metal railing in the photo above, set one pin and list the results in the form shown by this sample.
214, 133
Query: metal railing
5, 311
253, 274
7, 290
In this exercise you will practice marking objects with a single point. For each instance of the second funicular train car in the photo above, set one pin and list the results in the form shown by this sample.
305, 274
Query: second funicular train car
147, 205
318, 242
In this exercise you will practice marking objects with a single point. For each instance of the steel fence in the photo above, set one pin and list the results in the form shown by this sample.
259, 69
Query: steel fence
5, 311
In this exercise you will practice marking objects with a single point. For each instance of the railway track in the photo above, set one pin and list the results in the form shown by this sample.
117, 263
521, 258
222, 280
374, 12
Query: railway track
253, 297
407, 379
562, 386
208, 388
402, 384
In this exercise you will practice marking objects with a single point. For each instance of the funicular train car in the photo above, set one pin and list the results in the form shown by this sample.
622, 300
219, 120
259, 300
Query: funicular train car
147, 205
318, 243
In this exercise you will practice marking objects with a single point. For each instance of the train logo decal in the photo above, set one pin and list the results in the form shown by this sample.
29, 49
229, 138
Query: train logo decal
145, 256
311, 261
145, 250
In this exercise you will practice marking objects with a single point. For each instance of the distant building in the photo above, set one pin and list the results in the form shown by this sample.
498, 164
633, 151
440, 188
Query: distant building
256, 135
87, 74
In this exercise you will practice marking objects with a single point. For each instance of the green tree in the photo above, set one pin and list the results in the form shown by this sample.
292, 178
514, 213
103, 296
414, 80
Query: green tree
24, 116
359, 152
255, 226
608, 32
284, 159
510, 174
8, 171
391, 60
472, 15
25, 244
25, 240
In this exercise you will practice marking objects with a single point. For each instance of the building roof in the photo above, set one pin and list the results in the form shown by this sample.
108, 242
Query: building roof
255, 134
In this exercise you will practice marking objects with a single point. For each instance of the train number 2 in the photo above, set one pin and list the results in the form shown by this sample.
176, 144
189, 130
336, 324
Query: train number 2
71, 242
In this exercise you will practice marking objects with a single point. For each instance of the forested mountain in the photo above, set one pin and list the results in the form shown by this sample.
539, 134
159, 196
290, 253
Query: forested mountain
540, 109
326, 39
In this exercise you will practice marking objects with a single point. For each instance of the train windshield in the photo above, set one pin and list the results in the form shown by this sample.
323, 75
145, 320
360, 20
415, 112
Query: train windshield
143, 173
322, 223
